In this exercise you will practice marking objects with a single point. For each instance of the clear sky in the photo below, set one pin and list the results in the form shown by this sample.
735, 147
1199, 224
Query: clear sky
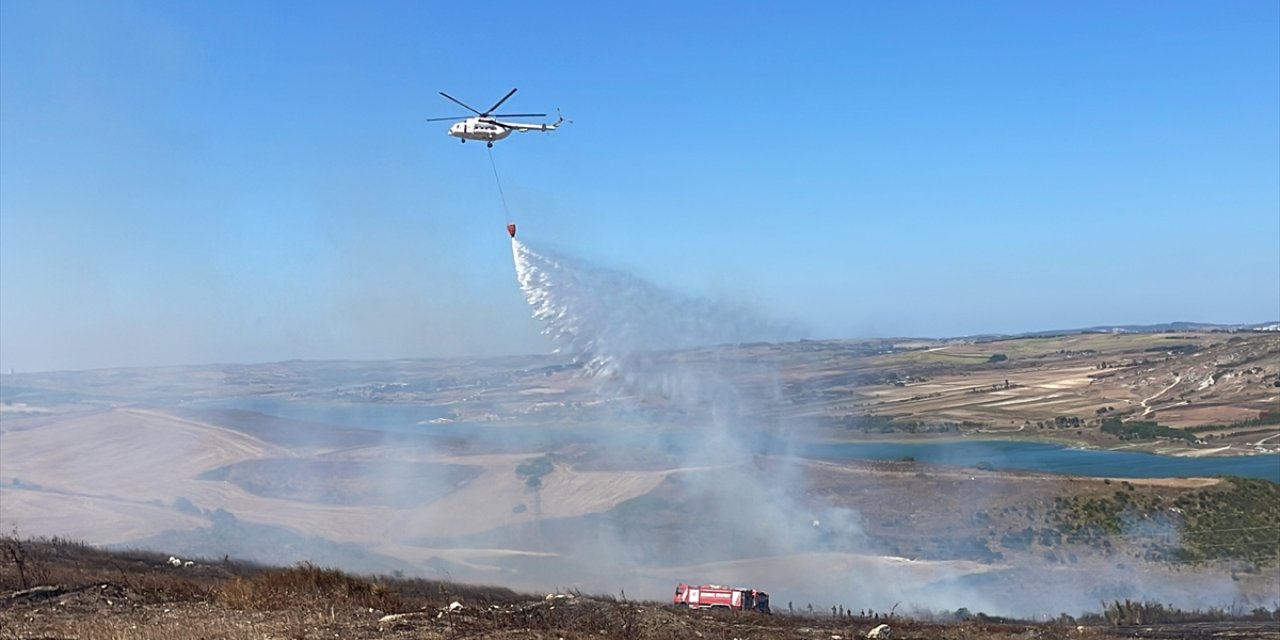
195, 182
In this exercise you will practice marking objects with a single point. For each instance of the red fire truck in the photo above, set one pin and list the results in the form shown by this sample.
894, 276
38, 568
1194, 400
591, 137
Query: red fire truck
714, 595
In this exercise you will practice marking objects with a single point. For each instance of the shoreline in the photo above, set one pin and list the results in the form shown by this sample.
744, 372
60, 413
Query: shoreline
1041, 456
1155, 447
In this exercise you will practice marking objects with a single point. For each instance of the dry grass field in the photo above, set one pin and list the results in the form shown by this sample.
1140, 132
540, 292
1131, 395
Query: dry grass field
871, 532
1180, 380
521, 472
60, 589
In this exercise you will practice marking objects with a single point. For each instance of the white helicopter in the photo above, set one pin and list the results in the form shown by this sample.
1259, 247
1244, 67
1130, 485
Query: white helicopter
486, 126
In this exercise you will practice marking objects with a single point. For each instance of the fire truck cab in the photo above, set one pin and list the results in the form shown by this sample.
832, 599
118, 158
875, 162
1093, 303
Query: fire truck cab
714, 595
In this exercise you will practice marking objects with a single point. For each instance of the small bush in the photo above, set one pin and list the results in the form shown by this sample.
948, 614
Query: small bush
284, 588
533, 470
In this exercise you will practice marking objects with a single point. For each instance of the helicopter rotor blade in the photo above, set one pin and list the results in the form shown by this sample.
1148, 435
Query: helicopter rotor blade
517, 115
443, 119
498, 103
463, 104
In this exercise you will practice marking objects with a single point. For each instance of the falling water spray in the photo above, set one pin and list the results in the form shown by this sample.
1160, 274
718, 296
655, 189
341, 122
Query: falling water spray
645, 339
610, 321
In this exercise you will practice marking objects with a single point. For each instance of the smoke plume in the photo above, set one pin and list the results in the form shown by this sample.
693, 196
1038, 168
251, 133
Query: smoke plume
618, 326
606, 317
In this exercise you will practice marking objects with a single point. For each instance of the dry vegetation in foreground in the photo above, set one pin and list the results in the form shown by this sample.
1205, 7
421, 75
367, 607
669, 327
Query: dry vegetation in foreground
54, 588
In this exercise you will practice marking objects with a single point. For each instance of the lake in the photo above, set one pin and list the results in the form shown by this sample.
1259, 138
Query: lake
1054, 458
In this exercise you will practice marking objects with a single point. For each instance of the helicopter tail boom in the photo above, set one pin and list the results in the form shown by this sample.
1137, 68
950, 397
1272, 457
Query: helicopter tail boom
522, 127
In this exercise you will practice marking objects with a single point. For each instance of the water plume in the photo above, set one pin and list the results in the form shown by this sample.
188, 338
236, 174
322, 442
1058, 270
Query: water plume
615, 325
646, 340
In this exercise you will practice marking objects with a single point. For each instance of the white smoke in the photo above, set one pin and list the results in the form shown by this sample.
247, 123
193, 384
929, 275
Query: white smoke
629, 332
615, 325
771, 527
607, 315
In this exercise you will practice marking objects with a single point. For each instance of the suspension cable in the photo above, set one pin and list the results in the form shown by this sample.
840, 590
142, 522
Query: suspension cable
505, 210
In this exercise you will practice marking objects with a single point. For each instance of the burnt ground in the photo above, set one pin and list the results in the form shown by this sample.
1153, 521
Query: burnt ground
60, 590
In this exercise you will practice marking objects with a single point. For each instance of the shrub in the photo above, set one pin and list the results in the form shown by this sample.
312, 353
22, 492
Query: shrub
533, 470
283, 588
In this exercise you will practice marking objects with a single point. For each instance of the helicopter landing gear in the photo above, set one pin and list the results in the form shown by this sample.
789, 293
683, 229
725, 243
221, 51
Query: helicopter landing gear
489, 144
462, 140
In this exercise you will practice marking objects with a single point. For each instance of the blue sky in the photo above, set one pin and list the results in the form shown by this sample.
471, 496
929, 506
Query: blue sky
187, 182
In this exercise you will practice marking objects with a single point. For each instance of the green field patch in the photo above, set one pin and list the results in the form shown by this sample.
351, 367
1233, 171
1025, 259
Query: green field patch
1144, 430
1266, 418
942, 357
1236, 519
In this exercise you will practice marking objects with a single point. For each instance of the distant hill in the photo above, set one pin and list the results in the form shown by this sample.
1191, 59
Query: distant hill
1134, 328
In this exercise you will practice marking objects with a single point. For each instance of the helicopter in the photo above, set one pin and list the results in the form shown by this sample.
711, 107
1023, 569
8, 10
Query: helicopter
486, 126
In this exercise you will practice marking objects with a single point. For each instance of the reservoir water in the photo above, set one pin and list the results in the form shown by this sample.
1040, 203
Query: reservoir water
1054, 458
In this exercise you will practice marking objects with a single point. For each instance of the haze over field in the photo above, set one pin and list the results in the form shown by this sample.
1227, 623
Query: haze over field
634, 502
252, 305
619, 465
